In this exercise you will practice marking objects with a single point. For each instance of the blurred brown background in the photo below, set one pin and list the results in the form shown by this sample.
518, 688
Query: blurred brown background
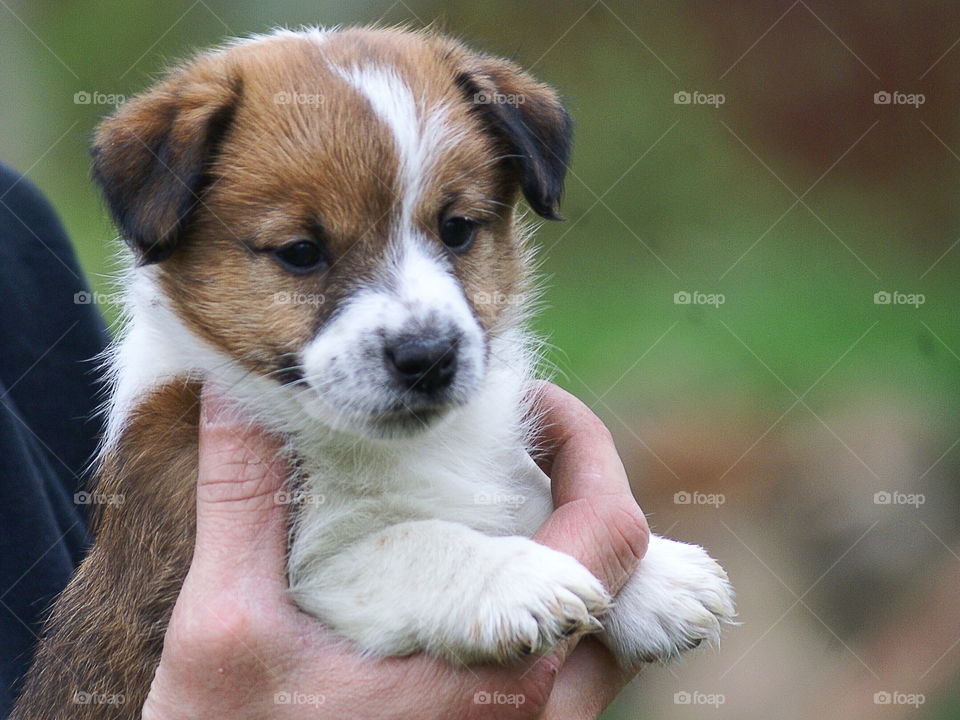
755, 288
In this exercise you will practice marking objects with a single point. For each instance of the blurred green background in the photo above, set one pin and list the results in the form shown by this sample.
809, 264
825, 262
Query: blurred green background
783, 390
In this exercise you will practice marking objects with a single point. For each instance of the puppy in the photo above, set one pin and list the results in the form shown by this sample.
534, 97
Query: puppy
322, 226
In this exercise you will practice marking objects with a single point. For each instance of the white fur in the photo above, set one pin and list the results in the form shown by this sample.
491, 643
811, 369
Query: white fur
420, 134
314, 33
422, 542
507, 595
678, 597
453, 505
416, 293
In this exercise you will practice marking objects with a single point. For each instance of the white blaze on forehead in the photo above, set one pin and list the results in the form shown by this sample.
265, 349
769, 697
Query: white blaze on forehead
420, 133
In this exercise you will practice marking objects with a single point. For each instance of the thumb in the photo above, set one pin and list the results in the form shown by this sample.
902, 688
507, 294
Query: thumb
595, 518
241, 519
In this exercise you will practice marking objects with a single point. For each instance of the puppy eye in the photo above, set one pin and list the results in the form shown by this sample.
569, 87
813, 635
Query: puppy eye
457, 233
301, 256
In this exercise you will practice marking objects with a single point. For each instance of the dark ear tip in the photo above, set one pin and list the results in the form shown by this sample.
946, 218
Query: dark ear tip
150, 253
548, 211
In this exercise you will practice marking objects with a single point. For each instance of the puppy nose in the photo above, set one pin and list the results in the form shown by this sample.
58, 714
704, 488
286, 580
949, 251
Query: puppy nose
423, 363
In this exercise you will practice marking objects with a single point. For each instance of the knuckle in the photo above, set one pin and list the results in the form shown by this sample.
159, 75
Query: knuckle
594, 431
627, 527
634, 528
237, 478
524, 697
218, 631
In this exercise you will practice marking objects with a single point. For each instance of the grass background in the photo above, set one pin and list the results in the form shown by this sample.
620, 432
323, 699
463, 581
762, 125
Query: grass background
797, 199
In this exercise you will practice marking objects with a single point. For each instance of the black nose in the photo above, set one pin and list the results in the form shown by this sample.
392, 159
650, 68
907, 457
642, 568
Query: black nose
425, 364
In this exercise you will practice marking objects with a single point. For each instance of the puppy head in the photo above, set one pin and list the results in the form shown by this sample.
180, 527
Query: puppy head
334, 210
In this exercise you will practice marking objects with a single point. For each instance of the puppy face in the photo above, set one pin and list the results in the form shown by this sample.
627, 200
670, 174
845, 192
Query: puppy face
335, 211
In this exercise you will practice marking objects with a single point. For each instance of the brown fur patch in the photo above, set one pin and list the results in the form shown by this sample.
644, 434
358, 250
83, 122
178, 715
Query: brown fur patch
299, 152
205, 174
105, 632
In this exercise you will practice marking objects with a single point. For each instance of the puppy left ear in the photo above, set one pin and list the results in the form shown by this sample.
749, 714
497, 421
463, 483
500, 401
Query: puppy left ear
152, 157
531, 121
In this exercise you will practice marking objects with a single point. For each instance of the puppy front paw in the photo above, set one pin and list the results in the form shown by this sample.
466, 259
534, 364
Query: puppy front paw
526, 602
678, 598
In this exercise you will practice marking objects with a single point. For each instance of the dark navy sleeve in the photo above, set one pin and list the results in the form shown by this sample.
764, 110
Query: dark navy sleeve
49, 333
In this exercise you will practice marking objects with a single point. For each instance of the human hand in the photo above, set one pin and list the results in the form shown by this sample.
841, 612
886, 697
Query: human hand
237, 647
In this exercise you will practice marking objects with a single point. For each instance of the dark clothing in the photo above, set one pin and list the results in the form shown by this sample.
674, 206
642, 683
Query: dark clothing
48, 432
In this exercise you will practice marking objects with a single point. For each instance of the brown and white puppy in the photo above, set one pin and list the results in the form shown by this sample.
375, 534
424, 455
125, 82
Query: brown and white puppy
322, 226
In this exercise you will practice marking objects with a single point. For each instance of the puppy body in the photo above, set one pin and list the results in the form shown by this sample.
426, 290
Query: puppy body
389, 507
323, 227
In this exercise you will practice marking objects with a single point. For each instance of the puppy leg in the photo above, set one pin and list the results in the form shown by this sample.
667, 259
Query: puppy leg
445, 588
677, 598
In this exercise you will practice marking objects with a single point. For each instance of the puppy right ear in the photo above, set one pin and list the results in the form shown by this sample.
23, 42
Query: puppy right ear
525, 115
151, 158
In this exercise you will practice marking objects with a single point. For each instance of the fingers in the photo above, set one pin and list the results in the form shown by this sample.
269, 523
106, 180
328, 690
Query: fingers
596, 518
577, 680
588, 681
241, 528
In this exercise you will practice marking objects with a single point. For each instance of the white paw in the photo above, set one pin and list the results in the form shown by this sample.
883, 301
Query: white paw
677, 599
528, 598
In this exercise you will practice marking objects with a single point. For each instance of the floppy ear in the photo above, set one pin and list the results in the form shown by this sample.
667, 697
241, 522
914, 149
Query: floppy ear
151, 158
528, 117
